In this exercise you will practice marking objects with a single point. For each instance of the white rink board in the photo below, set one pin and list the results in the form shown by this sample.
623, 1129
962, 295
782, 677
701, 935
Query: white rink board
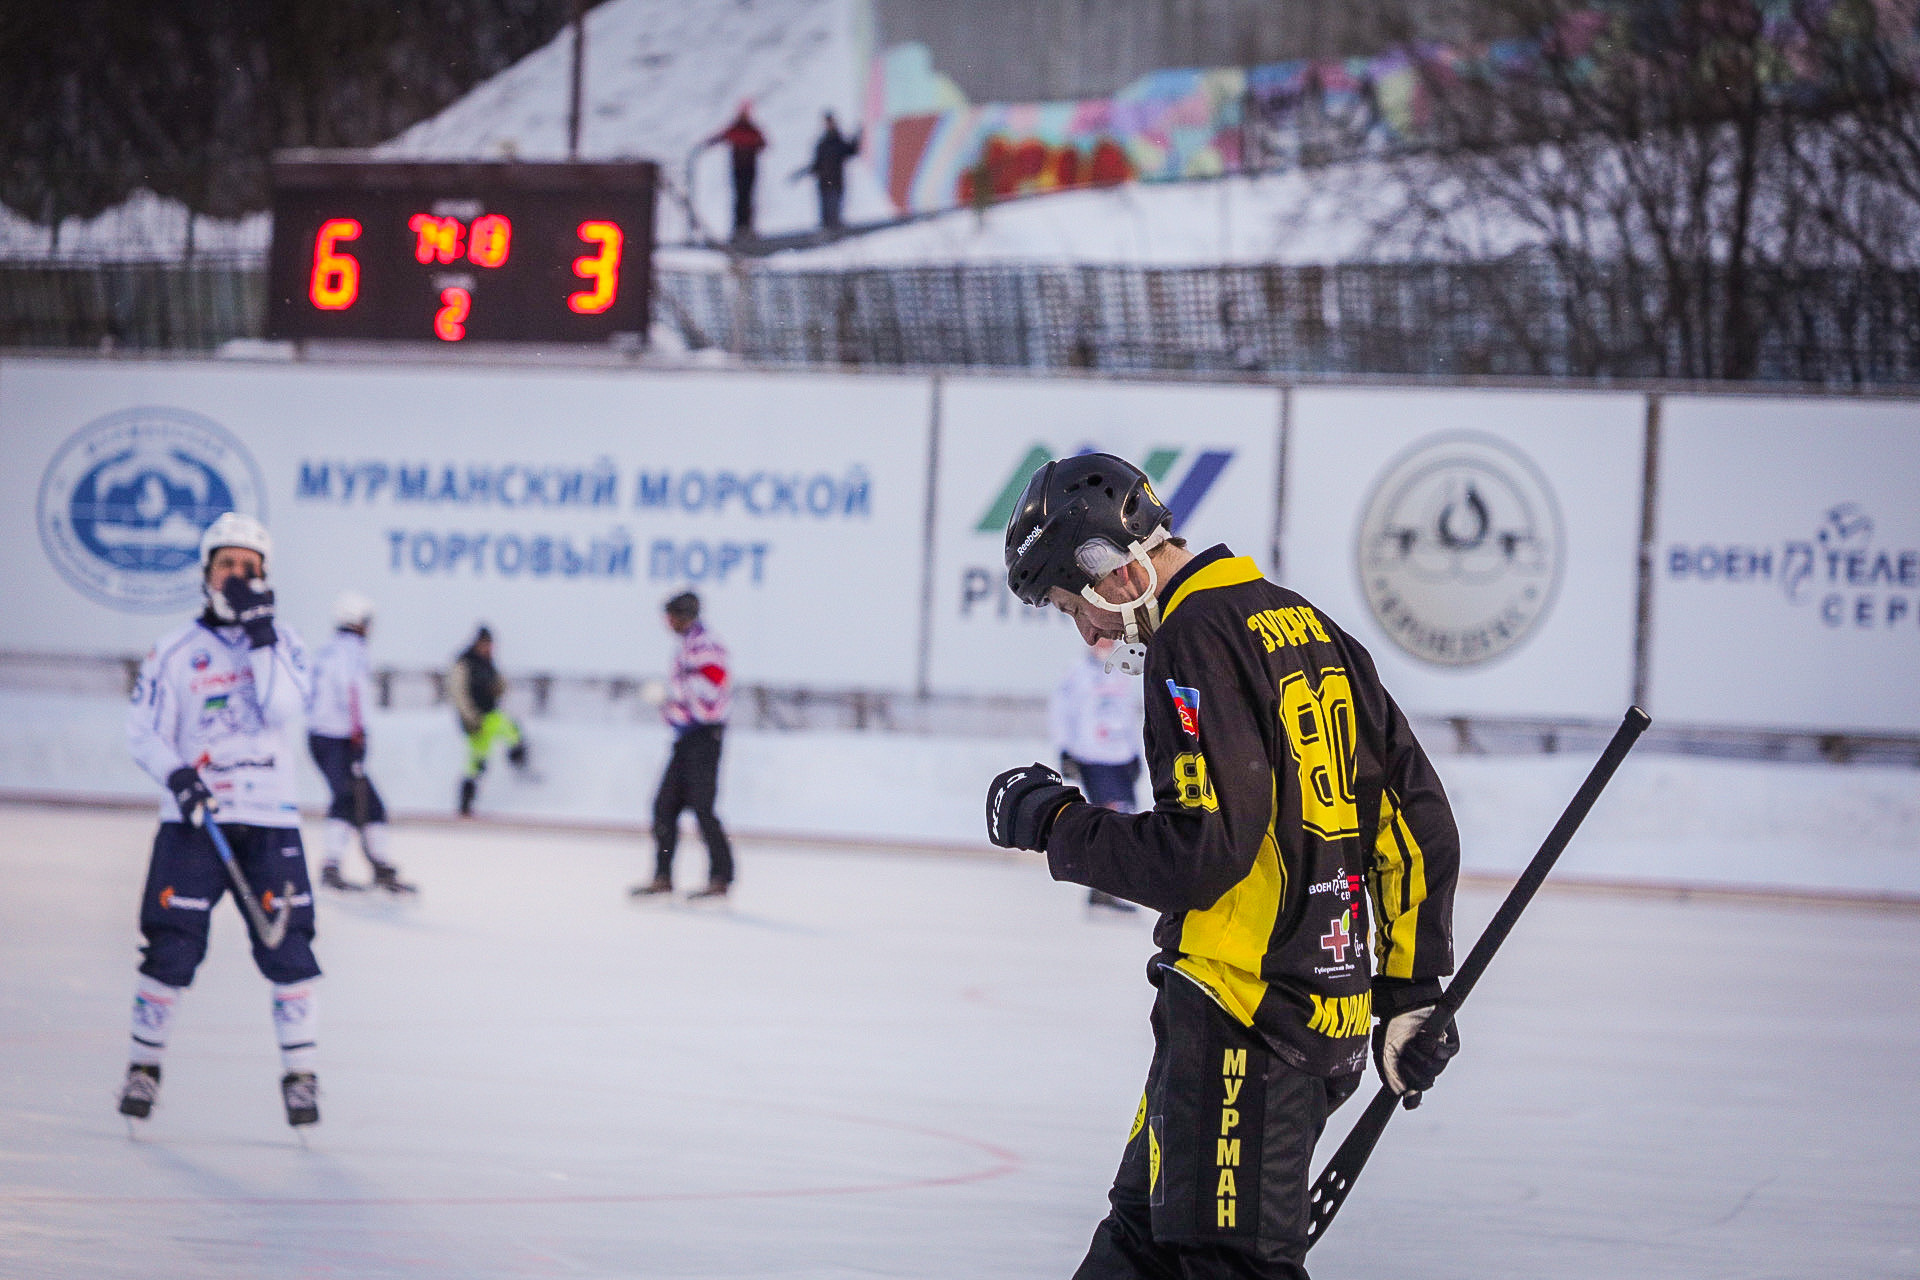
1215, 449
1787, 564
748, 488
1576, 458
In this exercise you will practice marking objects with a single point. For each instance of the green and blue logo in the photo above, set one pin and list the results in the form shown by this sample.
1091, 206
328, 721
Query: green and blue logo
1195, 482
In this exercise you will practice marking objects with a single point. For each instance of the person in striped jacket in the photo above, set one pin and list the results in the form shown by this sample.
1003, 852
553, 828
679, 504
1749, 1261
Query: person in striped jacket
694, 703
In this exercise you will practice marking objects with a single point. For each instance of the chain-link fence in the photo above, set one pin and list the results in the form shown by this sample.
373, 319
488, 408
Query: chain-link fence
191, 306
1517, 317
1521, 317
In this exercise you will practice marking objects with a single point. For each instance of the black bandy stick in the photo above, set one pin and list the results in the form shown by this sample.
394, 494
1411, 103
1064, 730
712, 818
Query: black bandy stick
1336, 1180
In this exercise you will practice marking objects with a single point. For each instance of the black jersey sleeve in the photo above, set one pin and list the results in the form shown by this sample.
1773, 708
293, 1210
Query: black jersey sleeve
1213, 790
1413, 853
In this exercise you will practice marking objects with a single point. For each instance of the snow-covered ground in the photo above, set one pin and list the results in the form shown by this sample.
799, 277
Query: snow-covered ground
144, 227
896, 1065
660, 79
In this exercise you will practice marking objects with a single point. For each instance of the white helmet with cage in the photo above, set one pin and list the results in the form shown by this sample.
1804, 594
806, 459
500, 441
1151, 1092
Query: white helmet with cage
234, 530
230, 530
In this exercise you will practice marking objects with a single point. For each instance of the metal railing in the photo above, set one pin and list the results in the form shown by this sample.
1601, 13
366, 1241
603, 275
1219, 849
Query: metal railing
617, 699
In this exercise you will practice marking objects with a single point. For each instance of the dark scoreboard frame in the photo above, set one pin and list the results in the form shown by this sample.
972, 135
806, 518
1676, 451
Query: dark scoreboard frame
554, 214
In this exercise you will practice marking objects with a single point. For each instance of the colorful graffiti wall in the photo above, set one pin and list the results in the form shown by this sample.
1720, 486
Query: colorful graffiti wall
934, 150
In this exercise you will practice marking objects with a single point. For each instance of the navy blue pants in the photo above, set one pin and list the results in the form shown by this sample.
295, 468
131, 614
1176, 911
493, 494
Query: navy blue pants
1110, 785
185, 882
354, 799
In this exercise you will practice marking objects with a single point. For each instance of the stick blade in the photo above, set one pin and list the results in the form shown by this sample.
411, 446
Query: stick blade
276, 931
1330, 1189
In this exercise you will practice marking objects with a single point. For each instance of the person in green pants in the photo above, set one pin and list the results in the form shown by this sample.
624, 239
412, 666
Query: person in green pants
476, 688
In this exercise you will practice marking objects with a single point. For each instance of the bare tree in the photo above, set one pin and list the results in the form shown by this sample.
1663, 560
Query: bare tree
1677, 168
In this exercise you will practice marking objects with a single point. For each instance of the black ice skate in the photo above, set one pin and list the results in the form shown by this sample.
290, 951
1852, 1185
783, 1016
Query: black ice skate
467, 788
653, 888
330, 878
715, 892
386, 876
300, 1090
138, 1093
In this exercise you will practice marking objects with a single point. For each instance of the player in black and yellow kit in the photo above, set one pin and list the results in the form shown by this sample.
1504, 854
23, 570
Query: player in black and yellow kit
1289, 794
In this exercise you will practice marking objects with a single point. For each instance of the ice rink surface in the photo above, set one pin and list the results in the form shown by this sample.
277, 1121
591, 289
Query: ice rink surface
892, 1063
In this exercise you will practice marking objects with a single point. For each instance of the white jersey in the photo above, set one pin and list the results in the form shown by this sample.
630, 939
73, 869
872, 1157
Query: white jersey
698, 691
1096, 717
342, 687
206, 698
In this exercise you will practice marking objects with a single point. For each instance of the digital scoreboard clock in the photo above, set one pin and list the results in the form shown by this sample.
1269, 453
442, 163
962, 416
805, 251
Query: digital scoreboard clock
452, 253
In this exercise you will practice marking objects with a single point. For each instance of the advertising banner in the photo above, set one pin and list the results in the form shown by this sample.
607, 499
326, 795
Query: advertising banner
559, 507
1483, 545
1787, 564
1210, 451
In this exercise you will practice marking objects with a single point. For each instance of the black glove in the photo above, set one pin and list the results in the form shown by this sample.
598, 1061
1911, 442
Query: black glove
190, 794
1402, 1064
253, 610
1022, 804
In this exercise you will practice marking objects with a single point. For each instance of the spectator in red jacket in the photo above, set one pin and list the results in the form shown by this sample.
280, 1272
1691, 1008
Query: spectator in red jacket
745, 141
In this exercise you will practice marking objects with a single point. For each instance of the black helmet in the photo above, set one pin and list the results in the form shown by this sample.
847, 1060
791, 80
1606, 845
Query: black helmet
1092, 497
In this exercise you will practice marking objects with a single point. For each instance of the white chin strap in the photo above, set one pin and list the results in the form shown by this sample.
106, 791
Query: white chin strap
1131, 656
216, 603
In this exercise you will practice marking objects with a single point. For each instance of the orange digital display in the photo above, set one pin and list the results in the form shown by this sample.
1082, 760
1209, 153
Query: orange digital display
466, 253
335, 282
439, 239
450, 321
601, 268
488, 240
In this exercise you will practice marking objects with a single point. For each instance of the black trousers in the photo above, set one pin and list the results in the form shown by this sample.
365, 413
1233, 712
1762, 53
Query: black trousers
185, 882
1215, 1175
744, 173
832, 194
691, 779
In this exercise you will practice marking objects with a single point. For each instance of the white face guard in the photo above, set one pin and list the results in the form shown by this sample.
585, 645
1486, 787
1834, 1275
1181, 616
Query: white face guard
1131, 657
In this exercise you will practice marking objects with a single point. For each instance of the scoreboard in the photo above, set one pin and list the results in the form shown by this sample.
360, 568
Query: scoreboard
451, 253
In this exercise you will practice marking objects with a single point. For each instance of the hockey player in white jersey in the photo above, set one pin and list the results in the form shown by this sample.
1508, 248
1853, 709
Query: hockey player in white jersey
337, 740
215, 712
1096, 715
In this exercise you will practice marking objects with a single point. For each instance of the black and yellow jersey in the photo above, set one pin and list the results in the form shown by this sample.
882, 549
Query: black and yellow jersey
1289, 792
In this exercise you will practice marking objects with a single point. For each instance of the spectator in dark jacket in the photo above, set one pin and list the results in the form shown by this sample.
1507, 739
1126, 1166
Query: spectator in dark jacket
829, 169
745, 142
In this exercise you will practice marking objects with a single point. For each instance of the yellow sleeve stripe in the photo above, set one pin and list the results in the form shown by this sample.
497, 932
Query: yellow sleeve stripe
1221, 573
1400, 881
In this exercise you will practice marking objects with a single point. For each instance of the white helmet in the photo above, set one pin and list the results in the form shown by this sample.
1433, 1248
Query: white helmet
351, 609
234, 530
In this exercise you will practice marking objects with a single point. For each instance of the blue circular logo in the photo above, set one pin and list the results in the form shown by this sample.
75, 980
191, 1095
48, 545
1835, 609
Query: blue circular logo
125, 500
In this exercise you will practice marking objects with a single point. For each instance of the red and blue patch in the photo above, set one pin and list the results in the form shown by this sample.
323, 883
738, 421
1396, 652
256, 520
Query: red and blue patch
200, 660
1186, 705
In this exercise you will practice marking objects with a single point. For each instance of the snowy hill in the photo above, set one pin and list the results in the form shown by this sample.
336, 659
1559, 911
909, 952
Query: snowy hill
660, 78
